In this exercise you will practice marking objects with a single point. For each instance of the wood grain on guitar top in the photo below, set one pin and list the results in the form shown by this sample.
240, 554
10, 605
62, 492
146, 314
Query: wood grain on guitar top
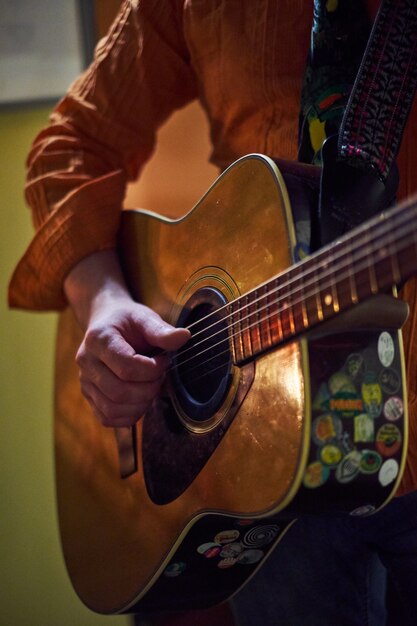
114, 537
237, 444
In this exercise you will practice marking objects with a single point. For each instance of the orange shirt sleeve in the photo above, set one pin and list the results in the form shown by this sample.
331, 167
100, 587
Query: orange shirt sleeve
99, 137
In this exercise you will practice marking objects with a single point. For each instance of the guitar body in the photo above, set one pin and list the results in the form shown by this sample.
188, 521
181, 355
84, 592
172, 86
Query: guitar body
216, 489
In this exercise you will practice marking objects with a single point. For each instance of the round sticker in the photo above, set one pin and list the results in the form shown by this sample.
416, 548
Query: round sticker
348, 468
361, 511
388, 440
231, 550
370, 462
325, 428
393, 408
330, 454
385, 349
316, 475
355, 365
260, 536
209, 549
175, 569
341, 383
227, 536
364, 428
388, 472
372, 395
390, 380
226, 563
248, 557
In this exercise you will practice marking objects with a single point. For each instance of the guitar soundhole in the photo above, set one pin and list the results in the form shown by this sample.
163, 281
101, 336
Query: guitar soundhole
202, 369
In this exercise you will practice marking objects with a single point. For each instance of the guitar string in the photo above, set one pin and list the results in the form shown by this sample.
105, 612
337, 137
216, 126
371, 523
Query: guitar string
226, 351
256, 323
337, 252
286, 296
195, 368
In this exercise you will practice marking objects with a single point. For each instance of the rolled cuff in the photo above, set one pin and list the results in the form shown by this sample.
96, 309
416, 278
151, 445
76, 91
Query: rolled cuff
72, 232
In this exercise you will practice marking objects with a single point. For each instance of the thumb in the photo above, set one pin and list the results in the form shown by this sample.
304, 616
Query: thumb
163, 335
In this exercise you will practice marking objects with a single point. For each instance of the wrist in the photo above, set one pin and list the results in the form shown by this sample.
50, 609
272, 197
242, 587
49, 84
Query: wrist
96, 282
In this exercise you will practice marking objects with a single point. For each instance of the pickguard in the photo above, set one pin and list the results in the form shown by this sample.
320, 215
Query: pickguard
172, 454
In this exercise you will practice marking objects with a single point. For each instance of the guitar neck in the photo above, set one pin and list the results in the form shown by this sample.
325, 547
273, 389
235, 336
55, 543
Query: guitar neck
367, 261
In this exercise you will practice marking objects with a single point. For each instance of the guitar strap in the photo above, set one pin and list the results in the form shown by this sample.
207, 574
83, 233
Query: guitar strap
384, 89
339, 34
359, 175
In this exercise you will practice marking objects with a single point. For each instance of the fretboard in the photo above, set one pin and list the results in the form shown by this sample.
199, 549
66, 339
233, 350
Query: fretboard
367, 261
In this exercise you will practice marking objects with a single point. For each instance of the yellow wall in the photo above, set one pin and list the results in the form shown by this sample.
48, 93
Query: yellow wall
34, 588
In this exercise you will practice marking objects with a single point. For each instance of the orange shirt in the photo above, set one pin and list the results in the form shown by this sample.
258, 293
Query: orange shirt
244, 61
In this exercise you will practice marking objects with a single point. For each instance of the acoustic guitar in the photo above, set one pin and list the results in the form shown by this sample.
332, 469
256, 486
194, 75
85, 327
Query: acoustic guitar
288, 398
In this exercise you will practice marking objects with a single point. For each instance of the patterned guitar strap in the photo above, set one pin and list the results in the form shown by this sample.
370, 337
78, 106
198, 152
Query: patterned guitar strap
354, 107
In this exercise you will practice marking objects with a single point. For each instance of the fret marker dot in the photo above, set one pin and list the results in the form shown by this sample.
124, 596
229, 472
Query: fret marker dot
328, 299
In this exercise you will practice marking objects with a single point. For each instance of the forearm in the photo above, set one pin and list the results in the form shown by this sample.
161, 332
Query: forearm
99, 137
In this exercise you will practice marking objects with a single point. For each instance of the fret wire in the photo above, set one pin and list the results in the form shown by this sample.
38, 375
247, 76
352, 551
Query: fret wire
291, 315
291, 319
328, 299
381, 233
277, 327
287, 323
343, 289
405, 213
299, 316
246, 336
364, 273
233, 337
365, 282
254, 327
352, 275
344, 295
319, 307
304, 311
298, 311
265, 324
335, 302
300, 306
240, 333
310, 301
